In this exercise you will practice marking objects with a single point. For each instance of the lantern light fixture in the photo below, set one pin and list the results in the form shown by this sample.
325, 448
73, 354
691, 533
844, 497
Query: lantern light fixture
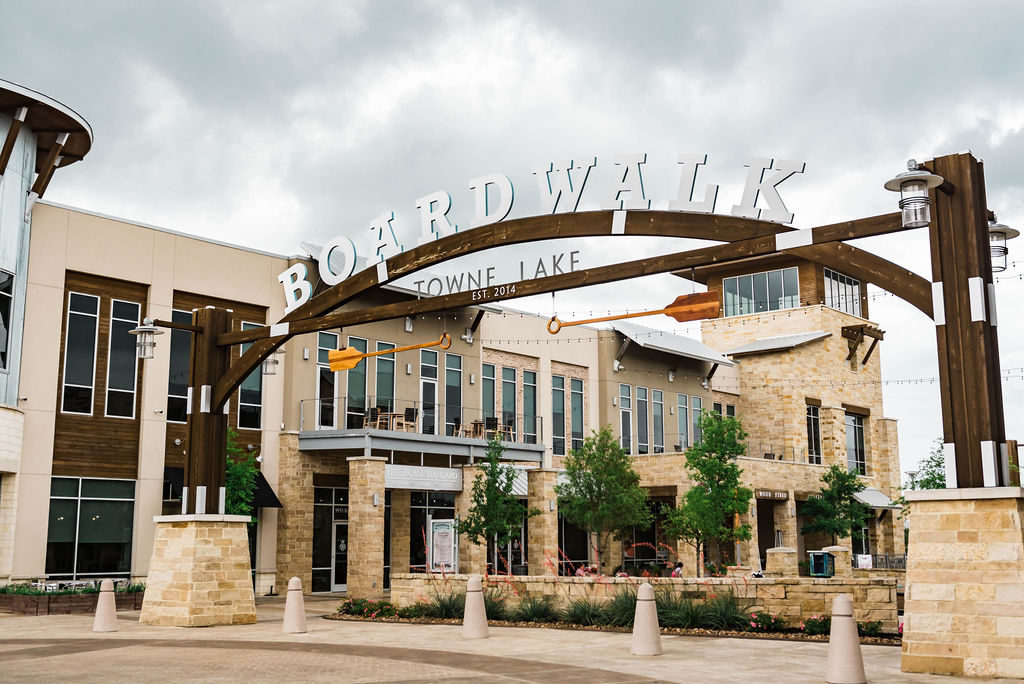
998, 234
913, 186
145, 333
270, 364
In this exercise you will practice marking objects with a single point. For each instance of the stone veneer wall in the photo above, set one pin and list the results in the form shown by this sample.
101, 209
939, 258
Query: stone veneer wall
793, 598
12, 426
366, 526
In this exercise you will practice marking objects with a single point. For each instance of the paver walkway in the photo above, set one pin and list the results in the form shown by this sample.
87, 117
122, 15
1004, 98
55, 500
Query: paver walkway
63, 647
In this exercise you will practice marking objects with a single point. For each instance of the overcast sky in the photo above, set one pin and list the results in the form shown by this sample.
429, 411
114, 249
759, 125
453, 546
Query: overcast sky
270, 123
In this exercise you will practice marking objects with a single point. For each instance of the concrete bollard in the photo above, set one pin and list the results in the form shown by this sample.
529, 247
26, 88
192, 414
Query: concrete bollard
294, 609
646, 635
845, 663
106, 609
474, 617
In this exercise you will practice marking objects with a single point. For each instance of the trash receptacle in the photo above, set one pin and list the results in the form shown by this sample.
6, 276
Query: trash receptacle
823, 564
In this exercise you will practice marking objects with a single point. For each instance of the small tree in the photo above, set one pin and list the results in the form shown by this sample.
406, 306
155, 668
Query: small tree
239, 478
495, 513
602, 492
834, 510
711, 505
932, 474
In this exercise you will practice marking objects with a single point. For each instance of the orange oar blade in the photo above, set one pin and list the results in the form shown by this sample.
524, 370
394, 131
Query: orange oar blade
693, 307
344, 359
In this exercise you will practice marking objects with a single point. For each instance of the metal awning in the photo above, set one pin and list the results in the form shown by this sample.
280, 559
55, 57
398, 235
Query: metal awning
669, 343
875, 499
780, 343
264, 496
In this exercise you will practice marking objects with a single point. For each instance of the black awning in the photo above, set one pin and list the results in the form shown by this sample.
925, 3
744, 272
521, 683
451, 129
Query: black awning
264, 496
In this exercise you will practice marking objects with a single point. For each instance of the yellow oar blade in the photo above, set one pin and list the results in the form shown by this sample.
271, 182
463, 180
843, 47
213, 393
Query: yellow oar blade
694, 307
344, 359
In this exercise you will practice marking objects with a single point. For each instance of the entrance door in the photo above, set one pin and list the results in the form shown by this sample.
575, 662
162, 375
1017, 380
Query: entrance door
765, 528
340, 577
428, 392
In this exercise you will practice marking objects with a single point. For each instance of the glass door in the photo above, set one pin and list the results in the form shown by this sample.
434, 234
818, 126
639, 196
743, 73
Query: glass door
340, 556
428, 391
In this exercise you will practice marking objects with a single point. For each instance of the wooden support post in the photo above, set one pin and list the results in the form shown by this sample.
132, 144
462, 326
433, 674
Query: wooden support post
969, 376
207, 422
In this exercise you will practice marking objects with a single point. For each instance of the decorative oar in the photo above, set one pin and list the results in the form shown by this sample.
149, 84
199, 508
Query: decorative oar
691, 307
349, 357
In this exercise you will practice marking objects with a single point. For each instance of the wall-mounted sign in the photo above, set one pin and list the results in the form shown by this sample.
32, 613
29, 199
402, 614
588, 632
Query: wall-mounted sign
422, 477
771, 494
444, 546
561, 187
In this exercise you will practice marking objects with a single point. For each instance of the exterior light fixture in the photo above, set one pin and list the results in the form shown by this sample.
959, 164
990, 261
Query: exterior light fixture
998, 234
145, 334
913, 186
270, 364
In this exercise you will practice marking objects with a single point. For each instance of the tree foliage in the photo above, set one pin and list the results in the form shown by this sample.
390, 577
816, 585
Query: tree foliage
495, 513
709, 508
239, 478
932, 473
602, 492
834, 510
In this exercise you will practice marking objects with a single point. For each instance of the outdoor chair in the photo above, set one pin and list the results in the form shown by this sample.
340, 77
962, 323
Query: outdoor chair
490, 426
371, 417
408, 423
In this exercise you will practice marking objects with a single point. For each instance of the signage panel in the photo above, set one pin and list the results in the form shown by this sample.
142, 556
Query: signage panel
422, 478
771, 494
443, 546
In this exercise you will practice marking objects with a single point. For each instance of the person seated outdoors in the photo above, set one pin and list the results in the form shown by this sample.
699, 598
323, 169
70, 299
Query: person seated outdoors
678, 570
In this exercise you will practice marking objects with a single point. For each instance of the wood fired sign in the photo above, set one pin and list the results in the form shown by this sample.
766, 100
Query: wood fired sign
560, 187
771, 494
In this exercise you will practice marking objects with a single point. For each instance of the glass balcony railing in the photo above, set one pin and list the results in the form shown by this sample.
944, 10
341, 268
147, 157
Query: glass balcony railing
425, 418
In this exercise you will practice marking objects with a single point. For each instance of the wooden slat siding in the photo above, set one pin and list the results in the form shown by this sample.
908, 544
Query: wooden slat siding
250, 313
95, 445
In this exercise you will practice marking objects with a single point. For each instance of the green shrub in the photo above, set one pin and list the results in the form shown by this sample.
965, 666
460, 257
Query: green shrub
722, 611
621, 607
416, 610
763, 621
131, 588
367, 608
816, 625
583, 611
447, 604
534, 609
496, 604
871, 628
677, 611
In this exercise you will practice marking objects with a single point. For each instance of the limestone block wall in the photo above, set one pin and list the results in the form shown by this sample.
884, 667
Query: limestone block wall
542, 544
8, 517
793, 598
365, 526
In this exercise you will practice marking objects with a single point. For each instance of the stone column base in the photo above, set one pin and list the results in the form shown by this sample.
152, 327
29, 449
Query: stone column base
199, 575
965, 583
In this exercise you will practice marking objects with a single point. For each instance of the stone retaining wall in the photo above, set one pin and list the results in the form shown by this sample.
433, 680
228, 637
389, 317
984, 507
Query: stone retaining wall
793, 598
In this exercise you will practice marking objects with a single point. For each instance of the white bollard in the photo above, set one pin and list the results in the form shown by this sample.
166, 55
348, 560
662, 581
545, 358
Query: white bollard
646, 635
294, 609
845, 663
474, 618
106, 609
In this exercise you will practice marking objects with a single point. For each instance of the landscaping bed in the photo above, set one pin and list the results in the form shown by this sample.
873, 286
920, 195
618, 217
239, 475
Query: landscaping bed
27, 600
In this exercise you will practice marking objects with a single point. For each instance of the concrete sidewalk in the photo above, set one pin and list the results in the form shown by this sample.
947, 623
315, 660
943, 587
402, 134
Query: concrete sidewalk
61, 647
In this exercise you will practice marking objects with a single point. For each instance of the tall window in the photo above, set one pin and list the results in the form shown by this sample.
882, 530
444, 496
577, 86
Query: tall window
658, 418
6, 305
558, 415
626, 417
696, 406
862, 544
758, 292
428, 390
453, 394
326, 380
80, 353
813, 434
642, 432
330, 539
355, 404
530, 407
90, 527
508, 400
385, 378
487, 389
576, 409
424, 507
855, 458
177, 376
122, 359
250, 393
683, 417
730, 410
842, 292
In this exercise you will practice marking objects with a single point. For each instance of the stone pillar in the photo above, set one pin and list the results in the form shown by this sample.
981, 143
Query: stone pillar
844, 564
199, 572
472, 557
965, 583
401, 521
782, 562
365, 526
542, 544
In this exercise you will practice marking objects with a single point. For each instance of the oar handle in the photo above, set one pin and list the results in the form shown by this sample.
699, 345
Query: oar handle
554, 325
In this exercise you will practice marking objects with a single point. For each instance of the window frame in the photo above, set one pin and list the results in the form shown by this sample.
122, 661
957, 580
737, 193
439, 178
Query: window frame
683, 419
320, 366
135, 356
78, 521
558, 408
731, 287
574, 441
657, 407
696, 407
391, 358
187, 334
626, 417
860, 466
95, 351
813, 434
643, 427
258, 372
5, 361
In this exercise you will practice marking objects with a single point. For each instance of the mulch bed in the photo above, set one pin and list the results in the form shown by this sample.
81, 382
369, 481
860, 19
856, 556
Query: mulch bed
777, 636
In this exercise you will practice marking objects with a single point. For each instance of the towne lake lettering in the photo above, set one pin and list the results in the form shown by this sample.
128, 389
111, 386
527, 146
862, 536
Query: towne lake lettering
560, 186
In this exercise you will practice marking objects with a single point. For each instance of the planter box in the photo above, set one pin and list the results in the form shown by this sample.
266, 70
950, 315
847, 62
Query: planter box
63, 604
